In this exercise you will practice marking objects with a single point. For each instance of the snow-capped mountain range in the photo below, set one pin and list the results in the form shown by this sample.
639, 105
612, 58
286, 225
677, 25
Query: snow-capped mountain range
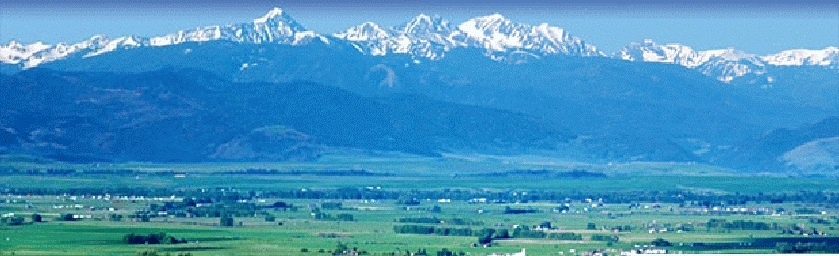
274, 27
431, 37
726, 64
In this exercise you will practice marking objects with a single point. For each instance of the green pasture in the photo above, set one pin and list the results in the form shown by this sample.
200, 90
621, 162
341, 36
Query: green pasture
372, 229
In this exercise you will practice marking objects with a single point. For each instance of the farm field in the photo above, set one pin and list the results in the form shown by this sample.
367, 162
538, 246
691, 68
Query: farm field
309, 211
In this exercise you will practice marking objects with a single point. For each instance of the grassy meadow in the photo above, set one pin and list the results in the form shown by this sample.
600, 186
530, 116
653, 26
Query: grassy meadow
678, 206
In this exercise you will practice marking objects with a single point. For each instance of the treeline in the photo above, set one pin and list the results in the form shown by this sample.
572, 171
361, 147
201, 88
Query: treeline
740, 225
485, 235
523, 232
338, 172
12, 220
509, 210
784, 247
543, 173
65, 172
435, 220
130, 172
336, 217
675, 196
159, 238
604, 238
428, 230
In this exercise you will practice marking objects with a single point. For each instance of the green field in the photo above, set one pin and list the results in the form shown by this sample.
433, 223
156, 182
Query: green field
332, 209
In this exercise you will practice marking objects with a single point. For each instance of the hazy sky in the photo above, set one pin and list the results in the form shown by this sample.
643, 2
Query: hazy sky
762, 28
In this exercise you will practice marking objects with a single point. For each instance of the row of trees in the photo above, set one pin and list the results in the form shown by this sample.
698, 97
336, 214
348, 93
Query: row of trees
12, 221
509, 210
159, 238
422, 229
486, 235
784, 247
674, 196
336, 217
20, 220
435, 220
152, 252
740, 225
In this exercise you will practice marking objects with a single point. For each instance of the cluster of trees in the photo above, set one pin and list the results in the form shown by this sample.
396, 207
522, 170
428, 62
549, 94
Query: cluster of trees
784, 247
795, 229
12, 220
66, 217
331, 206
216, 210
740, 225
428, 220
220, 195
486, 235
604, 238
660, 242
565, 236
435, 220
280, 205
159, 238
115, 217
340, 250
226, 221
509, 210
524, 232
424, 252
351, 172
152, 252
270, 218
630, 228
336, 217
422, 229
447, 252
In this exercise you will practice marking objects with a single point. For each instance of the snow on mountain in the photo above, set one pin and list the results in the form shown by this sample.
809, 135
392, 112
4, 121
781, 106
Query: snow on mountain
370, 38
16, 52
116, 43
426, 26
724, 65
274, 27
424, 36
431, 37
728, 64
32, 55
826, 57
367, 31
649, 51
495, 33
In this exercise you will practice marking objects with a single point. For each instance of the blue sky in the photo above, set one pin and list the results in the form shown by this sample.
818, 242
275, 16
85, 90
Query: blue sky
761, 28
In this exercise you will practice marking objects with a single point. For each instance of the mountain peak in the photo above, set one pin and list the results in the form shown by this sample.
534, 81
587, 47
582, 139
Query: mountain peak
495, 33
424, 24
492, 17
489, 21
278, 19
650, 51
272, 14
796, 57
364, 32
729, 54
422, 17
